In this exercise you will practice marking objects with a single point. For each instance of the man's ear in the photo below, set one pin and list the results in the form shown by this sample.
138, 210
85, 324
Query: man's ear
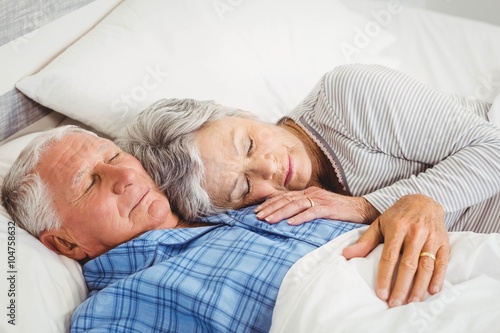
58, 242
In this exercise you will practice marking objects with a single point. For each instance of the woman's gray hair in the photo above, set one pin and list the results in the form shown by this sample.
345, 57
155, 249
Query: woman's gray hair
25, 195
163, 137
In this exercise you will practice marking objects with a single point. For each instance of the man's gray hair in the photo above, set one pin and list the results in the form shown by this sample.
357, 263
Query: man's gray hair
25, 195
163, 137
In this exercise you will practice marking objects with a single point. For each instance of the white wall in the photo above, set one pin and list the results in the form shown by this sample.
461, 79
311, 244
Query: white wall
482, 10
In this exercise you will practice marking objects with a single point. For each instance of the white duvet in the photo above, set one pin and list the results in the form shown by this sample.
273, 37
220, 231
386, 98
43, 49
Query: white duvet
323, 292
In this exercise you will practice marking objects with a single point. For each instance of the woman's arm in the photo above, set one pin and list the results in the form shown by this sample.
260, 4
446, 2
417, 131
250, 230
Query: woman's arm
390, 113
386, 112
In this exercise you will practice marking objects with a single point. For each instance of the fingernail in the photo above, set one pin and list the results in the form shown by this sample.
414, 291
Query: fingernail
257, 208
268, 218
395, 303
291, 221
383, 294
435, 289
260, 214
414, 299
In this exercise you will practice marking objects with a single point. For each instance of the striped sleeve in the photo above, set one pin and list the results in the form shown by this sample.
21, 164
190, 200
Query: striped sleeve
390, 113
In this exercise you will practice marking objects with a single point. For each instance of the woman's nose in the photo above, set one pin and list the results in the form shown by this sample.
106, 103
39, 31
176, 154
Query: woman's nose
264, 167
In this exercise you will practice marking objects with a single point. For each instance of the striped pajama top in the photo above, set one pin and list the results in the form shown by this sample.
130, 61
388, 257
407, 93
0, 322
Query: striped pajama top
388, 135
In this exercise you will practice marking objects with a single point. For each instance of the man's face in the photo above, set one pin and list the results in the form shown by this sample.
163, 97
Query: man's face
103, 195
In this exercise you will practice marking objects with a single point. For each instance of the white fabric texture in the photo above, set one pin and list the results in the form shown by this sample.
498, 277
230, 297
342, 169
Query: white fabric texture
323, 292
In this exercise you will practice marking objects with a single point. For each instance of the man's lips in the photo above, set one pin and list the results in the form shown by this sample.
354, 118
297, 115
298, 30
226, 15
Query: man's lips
144, 193
289, 171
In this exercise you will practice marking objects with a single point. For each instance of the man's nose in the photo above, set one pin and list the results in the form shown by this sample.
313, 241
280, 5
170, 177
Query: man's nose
116, 177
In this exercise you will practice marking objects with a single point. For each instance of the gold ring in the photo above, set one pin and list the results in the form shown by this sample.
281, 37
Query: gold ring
311, 201
428, 254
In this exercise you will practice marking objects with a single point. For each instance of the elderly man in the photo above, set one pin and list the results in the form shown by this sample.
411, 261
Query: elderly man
146, 269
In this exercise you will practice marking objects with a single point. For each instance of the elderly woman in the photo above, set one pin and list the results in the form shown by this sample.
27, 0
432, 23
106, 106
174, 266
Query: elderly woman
368, 144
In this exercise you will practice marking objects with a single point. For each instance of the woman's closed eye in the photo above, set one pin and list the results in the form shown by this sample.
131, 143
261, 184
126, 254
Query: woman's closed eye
251, 147
248, 189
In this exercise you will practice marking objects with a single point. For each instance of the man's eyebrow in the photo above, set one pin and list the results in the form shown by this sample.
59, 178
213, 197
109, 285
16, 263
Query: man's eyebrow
79, 175
103, 146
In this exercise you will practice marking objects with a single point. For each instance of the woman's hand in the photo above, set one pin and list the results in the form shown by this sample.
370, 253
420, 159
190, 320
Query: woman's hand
314, 202
413, 227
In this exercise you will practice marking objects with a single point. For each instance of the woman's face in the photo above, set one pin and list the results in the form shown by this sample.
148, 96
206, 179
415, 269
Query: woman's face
247, 161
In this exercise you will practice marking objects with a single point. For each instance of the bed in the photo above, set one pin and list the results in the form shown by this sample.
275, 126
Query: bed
98, 63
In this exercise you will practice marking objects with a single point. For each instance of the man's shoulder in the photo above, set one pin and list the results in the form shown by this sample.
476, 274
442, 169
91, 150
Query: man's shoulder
137, 254
233, 217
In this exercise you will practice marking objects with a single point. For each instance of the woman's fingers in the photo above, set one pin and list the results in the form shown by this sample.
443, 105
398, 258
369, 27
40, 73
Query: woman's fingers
432, 264
365, 244
274, 202
424, 274
314, 202
415, 253
415, 271
416, 245
440, 266
298, 208
387, 265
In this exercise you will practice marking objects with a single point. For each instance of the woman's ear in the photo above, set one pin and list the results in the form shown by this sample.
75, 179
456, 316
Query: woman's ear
58, 242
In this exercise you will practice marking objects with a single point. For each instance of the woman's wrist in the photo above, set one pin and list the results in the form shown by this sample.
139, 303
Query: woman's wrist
367, 211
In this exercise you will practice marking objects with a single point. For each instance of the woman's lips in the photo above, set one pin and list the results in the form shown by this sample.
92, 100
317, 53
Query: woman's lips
289, 172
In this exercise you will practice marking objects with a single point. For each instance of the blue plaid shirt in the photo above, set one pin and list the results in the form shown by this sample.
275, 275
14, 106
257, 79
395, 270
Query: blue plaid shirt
220, 278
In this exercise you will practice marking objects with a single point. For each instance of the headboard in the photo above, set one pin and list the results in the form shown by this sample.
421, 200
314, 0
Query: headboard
23, 24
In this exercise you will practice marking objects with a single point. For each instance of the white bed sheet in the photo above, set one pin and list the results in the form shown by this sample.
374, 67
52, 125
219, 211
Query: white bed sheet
323, 292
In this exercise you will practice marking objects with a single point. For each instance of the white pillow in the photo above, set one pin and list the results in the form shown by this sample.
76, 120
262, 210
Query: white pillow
45, 287
259, 55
